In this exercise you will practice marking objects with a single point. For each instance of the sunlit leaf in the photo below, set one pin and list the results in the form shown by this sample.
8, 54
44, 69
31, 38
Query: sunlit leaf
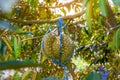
15, 47
15, 50
102, 4
89, 14
21, 32
116, 40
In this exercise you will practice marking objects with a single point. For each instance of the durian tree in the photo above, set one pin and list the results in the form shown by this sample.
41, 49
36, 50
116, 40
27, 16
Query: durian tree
93, 26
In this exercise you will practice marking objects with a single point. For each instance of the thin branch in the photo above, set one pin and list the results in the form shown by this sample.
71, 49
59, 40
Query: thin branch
100, 44
44, 21
114, 27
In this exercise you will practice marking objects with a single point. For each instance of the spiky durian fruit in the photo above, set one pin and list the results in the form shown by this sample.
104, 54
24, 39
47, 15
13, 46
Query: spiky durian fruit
52, 46
66, 47
48, 40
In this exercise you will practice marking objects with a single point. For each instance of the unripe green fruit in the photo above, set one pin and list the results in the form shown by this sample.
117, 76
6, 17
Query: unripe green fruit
52, 46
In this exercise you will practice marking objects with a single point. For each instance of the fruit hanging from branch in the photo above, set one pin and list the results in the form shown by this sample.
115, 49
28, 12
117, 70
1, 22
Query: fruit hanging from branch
52, 46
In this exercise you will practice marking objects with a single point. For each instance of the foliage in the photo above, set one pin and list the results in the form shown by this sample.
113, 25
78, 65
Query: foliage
93, 76
93, 26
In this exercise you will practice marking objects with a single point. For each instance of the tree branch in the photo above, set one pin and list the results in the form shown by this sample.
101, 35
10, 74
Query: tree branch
16, 64
43, 21
65, 4
116, 27
58, 6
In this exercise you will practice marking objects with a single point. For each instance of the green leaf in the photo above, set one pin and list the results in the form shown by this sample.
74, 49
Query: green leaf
93, 76
21, 32
102, 4
99, 21
3, 48
116, 40
89, 14
16, 52
116, 2
33, 4
6, 25
7, 42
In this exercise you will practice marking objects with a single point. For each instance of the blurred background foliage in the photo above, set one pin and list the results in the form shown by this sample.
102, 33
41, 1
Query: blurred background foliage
94, 26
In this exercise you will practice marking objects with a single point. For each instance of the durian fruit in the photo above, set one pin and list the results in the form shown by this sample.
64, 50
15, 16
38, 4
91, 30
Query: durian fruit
66, 47
48, 40
52, 46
